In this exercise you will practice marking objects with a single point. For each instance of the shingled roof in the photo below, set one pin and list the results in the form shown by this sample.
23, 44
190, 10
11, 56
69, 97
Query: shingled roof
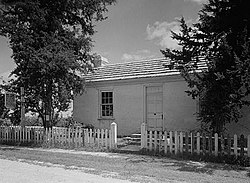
131, 70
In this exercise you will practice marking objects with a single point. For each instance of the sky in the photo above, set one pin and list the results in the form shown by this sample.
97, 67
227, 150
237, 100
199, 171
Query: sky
134, 30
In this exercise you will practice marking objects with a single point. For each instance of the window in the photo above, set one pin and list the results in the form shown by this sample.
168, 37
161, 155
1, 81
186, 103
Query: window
106, 104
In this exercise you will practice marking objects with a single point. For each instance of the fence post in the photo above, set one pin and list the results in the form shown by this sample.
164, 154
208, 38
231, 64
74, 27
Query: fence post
143, 136
113, 135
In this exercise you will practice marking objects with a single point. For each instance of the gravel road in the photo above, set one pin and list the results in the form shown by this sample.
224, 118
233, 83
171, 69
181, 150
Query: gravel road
21, 172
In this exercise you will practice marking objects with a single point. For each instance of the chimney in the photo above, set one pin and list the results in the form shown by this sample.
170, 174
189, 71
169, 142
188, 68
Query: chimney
97, 62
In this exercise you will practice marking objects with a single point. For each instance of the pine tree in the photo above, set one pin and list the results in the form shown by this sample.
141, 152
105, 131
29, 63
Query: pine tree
221, 38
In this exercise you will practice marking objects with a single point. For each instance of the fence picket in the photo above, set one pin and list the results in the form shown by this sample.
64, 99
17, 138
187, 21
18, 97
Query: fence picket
106, 138
235, 145
102, 137
155, 140
186, 142
165, 142
192, 143
160, 141
98, 138
216, 144
204, 141
176, 144
248, 145
198, 140
210, 141
228, 145
181, 142
150, 140
171, 142
242, 145
110, 140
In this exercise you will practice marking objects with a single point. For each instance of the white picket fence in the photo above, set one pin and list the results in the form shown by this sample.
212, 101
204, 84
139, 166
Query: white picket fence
60, 137
178, 142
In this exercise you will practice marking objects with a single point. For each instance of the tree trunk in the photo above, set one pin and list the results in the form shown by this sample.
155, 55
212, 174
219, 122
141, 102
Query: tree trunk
48, 105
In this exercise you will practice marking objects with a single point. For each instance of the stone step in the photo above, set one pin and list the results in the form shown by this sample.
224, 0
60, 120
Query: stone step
133, 139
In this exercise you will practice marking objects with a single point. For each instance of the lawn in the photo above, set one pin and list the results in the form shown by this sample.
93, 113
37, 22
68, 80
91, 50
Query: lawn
132, 167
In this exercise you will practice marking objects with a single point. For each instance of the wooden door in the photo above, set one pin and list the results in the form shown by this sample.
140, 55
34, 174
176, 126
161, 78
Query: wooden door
154, 107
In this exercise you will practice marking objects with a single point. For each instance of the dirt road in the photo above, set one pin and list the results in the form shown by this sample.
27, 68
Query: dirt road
38, 165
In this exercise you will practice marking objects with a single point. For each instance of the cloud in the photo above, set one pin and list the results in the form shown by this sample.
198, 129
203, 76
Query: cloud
161, 32
138, 55
198, 1
5, 76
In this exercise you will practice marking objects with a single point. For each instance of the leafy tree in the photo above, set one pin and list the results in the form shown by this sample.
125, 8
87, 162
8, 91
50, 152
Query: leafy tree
51, 44
220, 40
2, 107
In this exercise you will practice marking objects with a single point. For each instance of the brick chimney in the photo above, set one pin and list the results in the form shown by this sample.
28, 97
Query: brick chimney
97, 62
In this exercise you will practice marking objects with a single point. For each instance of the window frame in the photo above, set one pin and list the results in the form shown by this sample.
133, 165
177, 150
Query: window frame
107, 103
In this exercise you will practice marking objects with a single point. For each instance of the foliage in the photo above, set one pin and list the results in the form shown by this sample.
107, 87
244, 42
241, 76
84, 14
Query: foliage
220, 40
70, 122
51, 44
2, 107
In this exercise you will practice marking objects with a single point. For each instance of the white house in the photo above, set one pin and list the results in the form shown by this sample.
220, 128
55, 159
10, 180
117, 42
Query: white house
136, 92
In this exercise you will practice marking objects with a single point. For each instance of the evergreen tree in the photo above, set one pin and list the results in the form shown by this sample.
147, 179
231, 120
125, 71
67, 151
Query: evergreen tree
221, 40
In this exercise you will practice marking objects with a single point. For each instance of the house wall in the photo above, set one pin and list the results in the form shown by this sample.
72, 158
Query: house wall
129, 105
243, 125
179, 109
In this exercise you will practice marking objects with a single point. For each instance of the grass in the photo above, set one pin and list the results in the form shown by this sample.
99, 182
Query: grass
139, 168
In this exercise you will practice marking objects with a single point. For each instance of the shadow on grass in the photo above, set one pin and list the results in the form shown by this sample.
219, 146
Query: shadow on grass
192, 163
5, 148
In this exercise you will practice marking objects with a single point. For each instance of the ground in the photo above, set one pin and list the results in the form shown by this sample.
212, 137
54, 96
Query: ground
19, 164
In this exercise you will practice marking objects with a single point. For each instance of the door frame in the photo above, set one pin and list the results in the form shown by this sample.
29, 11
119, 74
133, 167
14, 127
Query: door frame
145, 101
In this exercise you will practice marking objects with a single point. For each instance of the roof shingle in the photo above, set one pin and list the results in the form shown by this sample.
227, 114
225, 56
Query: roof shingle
131, 70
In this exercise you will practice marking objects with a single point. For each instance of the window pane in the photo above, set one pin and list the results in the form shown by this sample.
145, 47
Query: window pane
103, 110
110, 100
107, 104
111, 110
